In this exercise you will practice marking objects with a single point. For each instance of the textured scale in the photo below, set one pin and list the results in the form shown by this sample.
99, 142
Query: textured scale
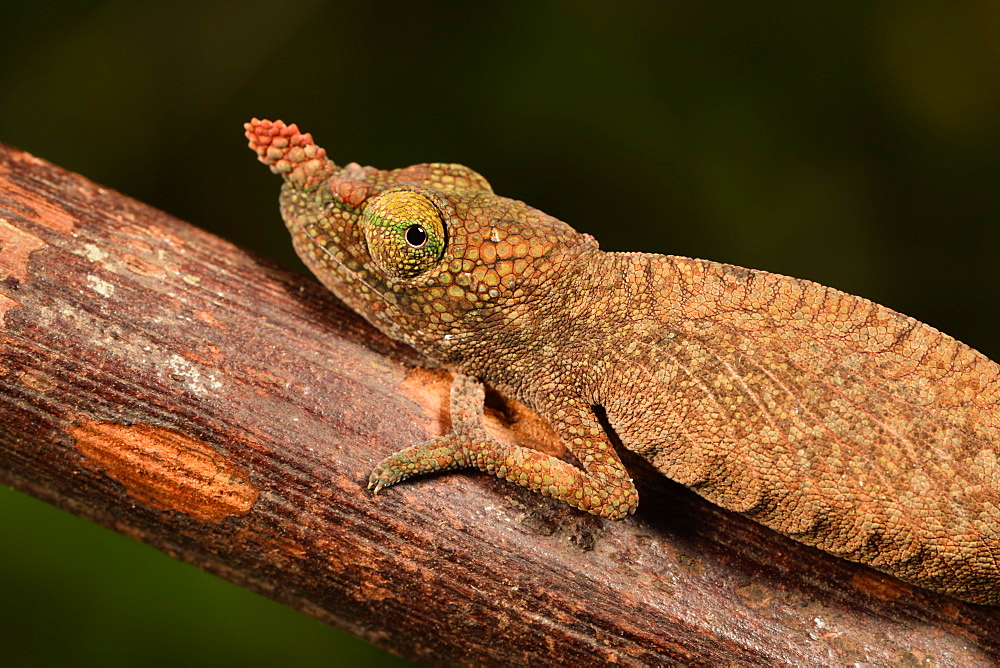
824, 416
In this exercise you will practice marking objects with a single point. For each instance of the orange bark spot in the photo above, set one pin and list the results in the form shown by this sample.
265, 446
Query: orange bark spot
141, 267
16, 246
880, 586
166, 470
6, 304
39, 209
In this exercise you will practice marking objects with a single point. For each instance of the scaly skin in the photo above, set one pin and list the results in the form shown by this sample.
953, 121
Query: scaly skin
831, 419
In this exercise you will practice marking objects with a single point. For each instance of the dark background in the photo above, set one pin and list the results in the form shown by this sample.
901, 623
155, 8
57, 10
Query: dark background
853, 143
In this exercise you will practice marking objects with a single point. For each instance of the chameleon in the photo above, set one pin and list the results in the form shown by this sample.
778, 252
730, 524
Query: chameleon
826, 417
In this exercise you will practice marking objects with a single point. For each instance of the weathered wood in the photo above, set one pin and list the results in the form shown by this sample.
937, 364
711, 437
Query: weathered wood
163, 383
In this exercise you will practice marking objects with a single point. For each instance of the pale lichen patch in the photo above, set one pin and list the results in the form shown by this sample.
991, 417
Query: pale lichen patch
92, 252
100, 286
191, 375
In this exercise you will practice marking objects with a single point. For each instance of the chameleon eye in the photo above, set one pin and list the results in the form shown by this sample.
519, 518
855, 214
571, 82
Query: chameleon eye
404, 231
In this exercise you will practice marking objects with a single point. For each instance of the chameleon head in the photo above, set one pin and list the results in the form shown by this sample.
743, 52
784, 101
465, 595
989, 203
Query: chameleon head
426, 252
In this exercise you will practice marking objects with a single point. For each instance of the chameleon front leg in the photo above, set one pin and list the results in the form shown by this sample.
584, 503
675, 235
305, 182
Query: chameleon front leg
602, 487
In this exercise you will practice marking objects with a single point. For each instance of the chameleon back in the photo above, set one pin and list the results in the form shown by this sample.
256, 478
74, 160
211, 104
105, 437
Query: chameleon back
824, 416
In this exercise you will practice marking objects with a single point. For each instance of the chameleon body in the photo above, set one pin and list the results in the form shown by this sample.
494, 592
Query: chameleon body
824, 416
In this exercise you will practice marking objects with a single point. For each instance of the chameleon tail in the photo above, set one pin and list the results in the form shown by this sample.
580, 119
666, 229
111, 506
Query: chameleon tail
288, 152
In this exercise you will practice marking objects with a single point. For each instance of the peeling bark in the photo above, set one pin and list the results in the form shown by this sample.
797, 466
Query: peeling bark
163, 383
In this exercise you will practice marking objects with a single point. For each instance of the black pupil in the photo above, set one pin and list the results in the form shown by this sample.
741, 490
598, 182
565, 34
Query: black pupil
416, 236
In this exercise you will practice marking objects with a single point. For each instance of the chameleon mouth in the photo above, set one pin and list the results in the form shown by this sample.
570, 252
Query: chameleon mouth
300, 229
386, 309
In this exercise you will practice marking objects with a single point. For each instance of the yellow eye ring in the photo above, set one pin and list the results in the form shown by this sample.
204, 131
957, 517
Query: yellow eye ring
405, 232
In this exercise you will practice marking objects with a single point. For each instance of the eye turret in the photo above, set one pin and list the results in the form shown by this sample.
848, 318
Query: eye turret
404, 231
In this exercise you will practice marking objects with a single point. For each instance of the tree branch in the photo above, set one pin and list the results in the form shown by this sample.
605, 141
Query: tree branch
163, 383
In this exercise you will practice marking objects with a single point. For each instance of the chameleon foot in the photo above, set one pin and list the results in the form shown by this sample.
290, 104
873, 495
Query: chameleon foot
443, 453
602, 486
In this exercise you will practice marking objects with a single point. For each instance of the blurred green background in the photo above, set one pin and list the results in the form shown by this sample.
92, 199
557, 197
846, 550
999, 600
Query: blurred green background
853, 143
